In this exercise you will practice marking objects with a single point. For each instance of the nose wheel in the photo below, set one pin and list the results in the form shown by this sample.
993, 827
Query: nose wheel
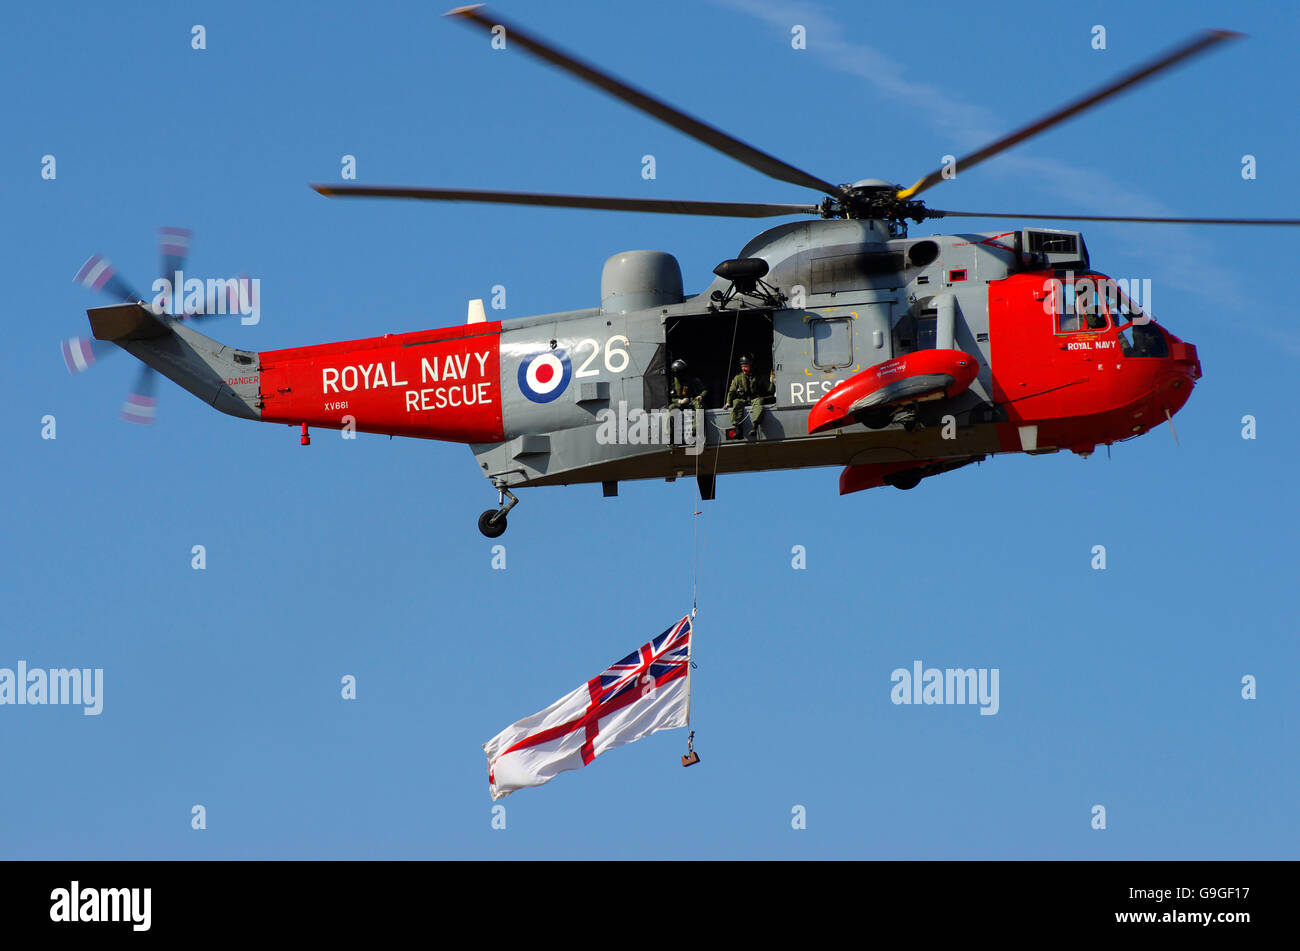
492, 523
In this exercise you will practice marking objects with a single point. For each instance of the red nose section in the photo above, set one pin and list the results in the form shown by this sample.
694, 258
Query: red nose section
1185, 354
925, 374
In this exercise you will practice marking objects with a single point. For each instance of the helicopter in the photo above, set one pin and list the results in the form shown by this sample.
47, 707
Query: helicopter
896, 358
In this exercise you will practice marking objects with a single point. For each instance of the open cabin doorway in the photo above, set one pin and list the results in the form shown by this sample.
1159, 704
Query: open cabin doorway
711, 345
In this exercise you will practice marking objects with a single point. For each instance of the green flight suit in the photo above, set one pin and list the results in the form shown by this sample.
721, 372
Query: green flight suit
687, 394
684, 392
747, 389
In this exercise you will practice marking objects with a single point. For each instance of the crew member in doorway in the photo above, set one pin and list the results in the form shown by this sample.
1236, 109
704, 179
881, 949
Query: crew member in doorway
686, 390
747, 388
686, 393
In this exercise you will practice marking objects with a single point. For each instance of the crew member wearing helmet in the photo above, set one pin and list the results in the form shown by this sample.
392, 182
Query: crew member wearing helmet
686, 393
686, 390
746, 388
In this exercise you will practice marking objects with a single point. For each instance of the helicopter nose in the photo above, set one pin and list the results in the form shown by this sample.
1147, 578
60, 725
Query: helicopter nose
1172, 391
1185, 358
1174, 386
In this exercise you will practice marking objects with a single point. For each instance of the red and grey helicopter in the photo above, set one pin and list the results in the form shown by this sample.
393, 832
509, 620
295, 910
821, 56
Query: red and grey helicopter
896, 358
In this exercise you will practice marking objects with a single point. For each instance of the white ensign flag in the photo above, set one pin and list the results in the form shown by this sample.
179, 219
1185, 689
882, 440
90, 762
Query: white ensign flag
646, 691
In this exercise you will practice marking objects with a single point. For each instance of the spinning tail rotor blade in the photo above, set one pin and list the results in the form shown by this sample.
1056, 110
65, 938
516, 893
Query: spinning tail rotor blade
80, 353
173, 252
638, 99
1198, 44
141, 405
98, 275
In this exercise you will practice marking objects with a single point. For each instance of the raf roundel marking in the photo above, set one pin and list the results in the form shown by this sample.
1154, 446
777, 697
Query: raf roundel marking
544, 376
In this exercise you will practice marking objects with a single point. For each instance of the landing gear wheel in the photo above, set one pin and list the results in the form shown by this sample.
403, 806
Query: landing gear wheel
873, 419
492, 523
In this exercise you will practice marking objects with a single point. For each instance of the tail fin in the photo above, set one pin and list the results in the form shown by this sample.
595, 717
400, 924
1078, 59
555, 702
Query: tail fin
227, 379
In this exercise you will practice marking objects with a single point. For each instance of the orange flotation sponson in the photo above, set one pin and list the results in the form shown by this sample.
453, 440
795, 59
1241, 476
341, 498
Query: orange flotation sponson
924, 374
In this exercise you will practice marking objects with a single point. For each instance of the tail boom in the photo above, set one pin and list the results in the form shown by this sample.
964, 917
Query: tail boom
219, 375
434, 384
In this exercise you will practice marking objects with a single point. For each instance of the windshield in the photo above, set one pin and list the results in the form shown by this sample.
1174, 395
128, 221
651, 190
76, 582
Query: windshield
1138, 334
1093, 302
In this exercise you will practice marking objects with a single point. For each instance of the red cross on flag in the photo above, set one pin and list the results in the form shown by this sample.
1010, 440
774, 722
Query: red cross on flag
647, 691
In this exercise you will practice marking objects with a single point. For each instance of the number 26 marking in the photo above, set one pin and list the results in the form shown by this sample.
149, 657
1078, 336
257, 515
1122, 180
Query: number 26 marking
616, 358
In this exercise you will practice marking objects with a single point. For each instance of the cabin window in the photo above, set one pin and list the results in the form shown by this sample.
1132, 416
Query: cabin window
832, 342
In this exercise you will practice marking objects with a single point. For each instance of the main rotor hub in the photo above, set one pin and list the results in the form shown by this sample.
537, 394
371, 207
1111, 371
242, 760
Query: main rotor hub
875, 199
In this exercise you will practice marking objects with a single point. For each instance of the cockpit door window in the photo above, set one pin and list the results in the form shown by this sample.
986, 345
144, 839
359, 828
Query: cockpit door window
1078, 306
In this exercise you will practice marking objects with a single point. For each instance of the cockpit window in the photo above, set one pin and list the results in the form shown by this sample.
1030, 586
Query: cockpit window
1148, 341
1118, 304
1078, 305
1138, 334
1067, 320
1125, 335
1090, 303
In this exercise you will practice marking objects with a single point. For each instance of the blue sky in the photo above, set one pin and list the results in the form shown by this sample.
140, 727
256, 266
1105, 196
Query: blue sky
1119, 687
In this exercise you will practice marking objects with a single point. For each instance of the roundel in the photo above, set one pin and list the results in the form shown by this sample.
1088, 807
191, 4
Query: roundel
545, 375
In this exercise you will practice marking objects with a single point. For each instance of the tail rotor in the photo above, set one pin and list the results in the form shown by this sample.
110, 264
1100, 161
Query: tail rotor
98, 274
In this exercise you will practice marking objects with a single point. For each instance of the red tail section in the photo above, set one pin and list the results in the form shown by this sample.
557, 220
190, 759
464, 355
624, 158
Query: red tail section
435, 384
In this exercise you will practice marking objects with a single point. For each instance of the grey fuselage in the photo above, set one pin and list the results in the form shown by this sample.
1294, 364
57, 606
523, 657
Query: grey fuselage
853, 296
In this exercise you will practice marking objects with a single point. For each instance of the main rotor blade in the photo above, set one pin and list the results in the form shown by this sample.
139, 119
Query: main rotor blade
638, 99
937, 213
668, 206
1198, 44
